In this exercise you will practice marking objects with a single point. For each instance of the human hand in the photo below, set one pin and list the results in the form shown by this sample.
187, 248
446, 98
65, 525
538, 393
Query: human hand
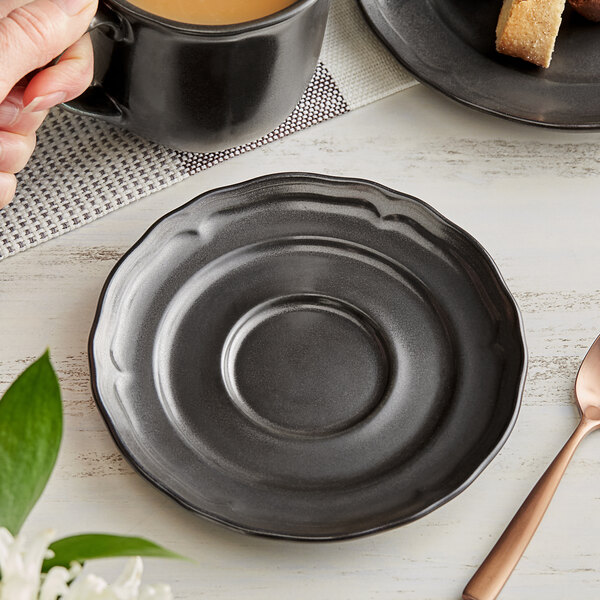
33, 33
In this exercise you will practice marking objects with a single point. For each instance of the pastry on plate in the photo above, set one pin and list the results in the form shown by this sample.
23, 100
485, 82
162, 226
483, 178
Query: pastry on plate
527, 29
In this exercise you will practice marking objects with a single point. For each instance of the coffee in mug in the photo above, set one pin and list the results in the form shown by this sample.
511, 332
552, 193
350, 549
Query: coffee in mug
197, 87
212, 12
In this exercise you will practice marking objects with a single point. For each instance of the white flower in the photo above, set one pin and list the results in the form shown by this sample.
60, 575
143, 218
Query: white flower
127, 587
21, 564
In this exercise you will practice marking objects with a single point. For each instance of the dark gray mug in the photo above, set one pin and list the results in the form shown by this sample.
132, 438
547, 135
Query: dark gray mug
200, 88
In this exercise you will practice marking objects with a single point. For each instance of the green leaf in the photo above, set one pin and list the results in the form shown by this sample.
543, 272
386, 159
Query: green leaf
30, 434
80, 548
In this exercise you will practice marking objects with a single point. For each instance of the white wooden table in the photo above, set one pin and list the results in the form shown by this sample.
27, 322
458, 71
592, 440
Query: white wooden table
529, 195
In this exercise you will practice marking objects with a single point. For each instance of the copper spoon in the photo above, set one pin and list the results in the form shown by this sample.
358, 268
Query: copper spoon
491, 576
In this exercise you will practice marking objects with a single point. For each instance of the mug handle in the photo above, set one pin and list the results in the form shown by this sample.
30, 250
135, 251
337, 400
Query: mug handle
95, 101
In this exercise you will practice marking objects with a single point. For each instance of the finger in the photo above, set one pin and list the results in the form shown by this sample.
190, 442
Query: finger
7, 6
33, 34
11, 107
12, 117
8, 187
15, 151
64, 81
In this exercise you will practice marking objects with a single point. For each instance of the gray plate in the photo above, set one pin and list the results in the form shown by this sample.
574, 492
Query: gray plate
449, 44
308, 357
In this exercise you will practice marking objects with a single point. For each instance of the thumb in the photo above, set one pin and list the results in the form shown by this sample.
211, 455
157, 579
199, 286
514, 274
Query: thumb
35, 33
64, 81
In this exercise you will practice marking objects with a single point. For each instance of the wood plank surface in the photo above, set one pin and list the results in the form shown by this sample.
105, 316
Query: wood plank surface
529, 195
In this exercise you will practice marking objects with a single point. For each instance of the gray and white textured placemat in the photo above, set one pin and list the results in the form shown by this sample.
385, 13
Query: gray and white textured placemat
83, 169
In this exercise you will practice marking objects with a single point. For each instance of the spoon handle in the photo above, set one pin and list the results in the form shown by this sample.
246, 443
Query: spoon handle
491, 576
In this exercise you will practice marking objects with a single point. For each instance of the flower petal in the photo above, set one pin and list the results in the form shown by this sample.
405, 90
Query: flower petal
127, 586
6, 542
88, 587
21, 565
55, 583
35, 552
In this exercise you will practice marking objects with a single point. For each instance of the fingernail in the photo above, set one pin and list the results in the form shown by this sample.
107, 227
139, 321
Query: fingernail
9, 113
45, 102
73, 7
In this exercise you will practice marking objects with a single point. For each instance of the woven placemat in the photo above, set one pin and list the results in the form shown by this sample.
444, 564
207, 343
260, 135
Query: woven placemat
83, 168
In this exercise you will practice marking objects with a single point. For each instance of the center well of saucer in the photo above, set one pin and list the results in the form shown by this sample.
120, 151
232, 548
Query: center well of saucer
307, 365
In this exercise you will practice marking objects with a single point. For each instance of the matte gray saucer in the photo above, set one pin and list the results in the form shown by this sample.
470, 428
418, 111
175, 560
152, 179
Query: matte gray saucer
450, 45
308, 357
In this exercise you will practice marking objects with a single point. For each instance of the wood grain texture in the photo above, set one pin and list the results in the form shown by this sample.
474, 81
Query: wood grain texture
529, 195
